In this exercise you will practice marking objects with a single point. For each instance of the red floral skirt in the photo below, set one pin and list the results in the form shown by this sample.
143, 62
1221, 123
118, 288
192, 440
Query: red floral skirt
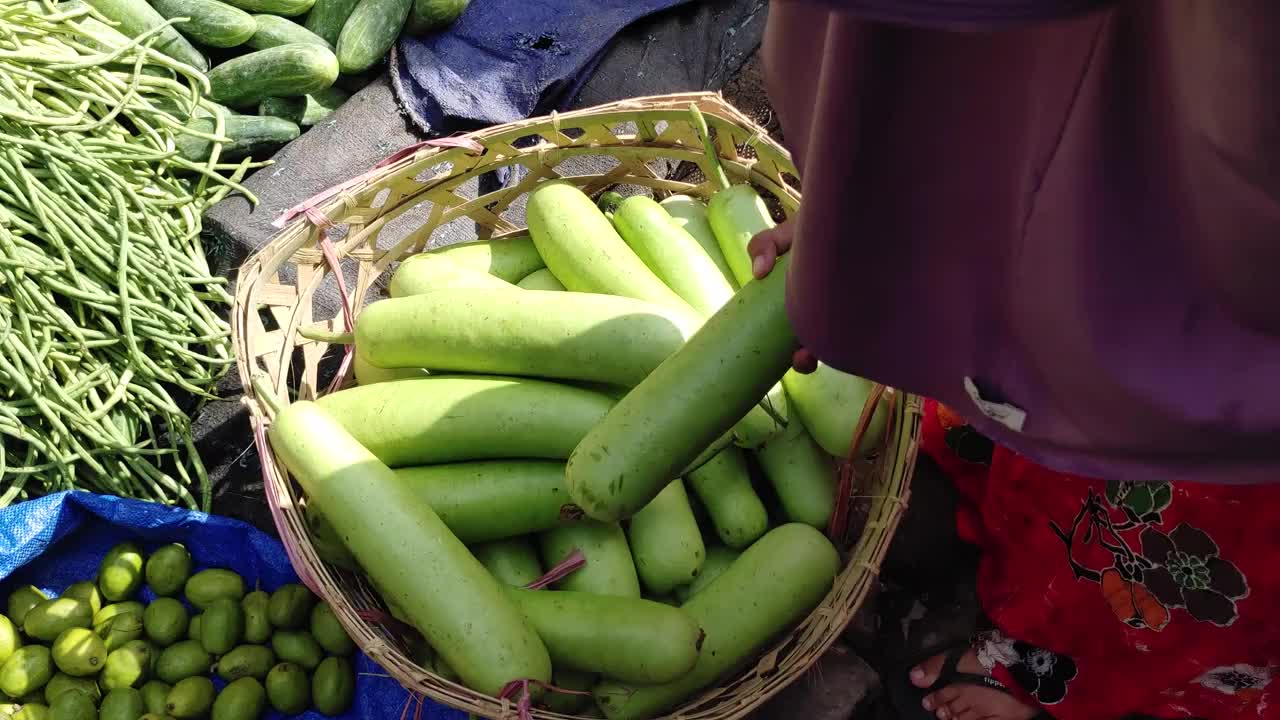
1112, 598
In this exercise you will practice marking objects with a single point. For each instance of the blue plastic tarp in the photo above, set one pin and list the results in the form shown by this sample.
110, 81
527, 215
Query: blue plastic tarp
505, 60
59, 539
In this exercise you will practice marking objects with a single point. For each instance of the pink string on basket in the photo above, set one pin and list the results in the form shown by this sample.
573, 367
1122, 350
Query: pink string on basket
524, 705
315, 217
267, 463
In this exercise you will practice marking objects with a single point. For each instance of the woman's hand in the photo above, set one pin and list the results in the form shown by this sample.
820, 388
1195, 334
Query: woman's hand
765, 249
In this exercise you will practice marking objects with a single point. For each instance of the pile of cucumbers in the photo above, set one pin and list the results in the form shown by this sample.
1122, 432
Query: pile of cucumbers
274, 66
616, 384
97, 653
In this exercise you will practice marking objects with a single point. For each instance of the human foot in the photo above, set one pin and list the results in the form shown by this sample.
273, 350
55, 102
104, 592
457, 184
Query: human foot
965, 700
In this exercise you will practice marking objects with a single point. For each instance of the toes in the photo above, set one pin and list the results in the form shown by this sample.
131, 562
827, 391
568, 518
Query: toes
948, 695
926, 673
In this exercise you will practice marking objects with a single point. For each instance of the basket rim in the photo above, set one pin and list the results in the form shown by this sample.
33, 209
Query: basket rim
863, 557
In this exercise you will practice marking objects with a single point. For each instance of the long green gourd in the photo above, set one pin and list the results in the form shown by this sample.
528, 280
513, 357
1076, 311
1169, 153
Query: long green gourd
672, 254
724, 486
609, 569
694, 397
802, 474
767, 590
665, 541
542, 279
584, 250
439, 419
508, 258
566, 335
433, 271
681, 262
492, 499
828, 402
690, 214
631, 639
513, 561
412, 557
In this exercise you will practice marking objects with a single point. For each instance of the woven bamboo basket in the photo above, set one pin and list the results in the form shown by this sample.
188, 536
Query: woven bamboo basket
351, 227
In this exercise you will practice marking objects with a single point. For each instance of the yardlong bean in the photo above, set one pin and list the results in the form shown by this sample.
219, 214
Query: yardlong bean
107, 304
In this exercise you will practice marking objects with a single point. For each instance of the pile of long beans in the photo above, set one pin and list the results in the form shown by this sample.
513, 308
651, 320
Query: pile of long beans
109, 314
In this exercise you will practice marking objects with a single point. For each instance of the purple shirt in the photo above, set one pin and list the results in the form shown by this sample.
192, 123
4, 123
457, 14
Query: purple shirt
1060, 213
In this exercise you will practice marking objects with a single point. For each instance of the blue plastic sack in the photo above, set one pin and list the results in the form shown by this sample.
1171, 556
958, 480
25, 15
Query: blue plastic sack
60, 539
505, 59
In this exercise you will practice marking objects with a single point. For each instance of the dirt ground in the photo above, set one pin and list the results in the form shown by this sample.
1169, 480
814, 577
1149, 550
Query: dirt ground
747, 93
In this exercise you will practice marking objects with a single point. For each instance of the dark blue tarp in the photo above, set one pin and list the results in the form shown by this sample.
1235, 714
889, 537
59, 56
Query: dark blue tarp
60, 539
504, 60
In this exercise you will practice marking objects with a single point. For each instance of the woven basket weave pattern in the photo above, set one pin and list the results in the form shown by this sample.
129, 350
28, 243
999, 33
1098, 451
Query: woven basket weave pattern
396, 209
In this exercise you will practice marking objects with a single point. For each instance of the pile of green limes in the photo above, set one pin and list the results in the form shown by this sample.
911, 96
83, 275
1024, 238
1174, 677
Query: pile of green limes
96, 653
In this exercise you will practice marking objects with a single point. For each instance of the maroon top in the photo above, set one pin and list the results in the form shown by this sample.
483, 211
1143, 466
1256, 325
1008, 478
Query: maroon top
1075, 216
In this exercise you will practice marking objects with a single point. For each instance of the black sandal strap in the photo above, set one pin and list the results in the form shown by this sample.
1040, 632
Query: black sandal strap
949, 675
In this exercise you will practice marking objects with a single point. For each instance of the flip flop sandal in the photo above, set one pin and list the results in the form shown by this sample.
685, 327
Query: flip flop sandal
906, 697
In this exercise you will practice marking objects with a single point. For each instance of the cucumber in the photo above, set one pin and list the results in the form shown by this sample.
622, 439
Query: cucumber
684, 405
368, 374
134, 17
429, 15
609, 569
283, 8
719, 558
691, 215
410, 554
767, 590
209, 22
292, 109
566, 335
541, 280
282, 71
802, 475
304, 111
327, 18
629, 639
274, 31
724, 487
370, 32
322, 103
431, 271
481, 501
508, 258
672, 254
512, 561
250, 135
445, 418
584, 251
665, 541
